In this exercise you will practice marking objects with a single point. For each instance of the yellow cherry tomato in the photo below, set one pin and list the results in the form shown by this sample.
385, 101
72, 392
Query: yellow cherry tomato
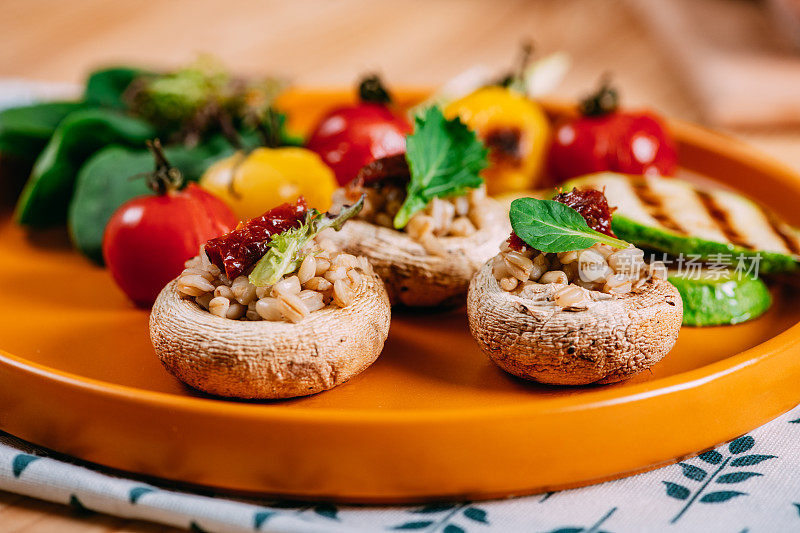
515, 129
254, 182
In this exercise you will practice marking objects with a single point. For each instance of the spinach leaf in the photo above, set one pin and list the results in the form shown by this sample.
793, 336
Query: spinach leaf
445, 158
550, 226
109, 179
24, 131
103, 184
49, 189
104, 88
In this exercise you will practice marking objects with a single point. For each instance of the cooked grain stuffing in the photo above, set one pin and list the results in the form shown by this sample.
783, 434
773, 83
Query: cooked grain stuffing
586, 275
325, 277
384, 183
224, 280
581, 272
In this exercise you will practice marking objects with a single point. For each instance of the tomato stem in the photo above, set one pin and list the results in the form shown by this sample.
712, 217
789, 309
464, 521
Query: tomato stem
603, 101
516, 78
371, 89
164, 178
228, 130
241, 158
269, 127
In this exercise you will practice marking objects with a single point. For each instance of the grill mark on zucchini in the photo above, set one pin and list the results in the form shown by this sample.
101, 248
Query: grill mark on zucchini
653, 204
720, 217
789, 240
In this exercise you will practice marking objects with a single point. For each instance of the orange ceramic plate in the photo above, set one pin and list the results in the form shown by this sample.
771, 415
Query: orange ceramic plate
433, 418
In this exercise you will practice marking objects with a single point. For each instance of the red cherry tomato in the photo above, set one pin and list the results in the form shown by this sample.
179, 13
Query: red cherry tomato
148, 239
604, 139
349, 137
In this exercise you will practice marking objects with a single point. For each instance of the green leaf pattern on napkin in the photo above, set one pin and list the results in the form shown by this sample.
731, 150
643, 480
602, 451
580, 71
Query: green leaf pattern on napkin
704, 489
716, 490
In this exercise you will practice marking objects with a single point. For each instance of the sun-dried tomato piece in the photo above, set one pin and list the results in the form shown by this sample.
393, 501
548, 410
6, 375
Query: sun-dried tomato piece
393, 168
593, 207
515, 243
237, 251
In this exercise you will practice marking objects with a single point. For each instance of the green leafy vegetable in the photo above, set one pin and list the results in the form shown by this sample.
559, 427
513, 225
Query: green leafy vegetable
196, 99
49, 189
445, 158
106, 87
551, 227
101, 187
114, 175
285, 249
176, 97
24, 131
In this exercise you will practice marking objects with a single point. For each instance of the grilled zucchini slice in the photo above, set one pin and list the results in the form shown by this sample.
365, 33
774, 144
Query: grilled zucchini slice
677, 217
713, 298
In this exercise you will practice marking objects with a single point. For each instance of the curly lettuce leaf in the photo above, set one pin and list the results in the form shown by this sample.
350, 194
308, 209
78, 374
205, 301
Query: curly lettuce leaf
285, 249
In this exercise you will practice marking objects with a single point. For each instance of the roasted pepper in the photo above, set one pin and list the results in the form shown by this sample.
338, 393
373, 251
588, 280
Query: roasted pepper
514, 128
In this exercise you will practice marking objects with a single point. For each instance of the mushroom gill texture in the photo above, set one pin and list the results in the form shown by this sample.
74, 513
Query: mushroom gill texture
610, 341
412, 275
268, 360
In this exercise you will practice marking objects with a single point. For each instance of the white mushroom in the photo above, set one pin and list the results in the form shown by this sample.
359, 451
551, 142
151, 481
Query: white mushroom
610, 339
413, 275
263, 359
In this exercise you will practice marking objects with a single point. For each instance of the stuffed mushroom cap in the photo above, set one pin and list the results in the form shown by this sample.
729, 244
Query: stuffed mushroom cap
610, 340
269, 360
412, 275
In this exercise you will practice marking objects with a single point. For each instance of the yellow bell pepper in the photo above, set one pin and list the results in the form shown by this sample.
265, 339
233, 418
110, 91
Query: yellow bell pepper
254, 182
515, 129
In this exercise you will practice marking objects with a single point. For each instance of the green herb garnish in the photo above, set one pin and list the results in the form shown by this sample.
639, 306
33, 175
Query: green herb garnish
551, 227
445, 159
285, 249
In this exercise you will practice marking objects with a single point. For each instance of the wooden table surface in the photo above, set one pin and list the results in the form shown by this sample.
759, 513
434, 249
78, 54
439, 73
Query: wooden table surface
413, 42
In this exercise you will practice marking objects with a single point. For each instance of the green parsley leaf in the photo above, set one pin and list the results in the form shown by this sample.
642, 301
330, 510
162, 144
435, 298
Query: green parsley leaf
445, 158
285, 249
550, 226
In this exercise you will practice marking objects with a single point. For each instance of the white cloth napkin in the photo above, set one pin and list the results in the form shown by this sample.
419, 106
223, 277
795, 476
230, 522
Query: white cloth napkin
749, 485
16, 92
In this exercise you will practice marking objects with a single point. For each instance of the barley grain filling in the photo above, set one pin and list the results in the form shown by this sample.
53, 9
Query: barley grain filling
325, 277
